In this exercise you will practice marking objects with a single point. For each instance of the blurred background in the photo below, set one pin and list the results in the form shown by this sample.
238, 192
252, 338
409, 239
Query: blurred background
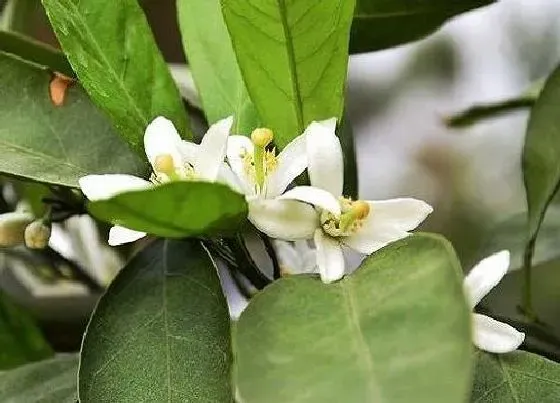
398, 102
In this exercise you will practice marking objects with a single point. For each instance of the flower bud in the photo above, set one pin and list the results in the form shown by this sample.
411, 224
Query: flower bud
37, 235
262, 137
12, 228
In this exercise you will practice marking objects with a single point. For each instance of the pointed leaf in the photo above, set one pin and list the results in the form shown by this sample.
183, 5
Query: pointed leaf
213, 64
515, 377
398, 330
176, 210
50, 381
34, 51
21, 341
375, 20
541, 165
59, 144
293, 56
113, 52
161, 332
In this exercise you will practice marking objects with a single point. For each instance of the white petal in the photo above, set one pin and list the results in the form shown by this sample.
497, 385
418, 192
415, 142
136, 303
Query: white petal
101, 187
227, 177
237, 147
283, 219
119, 235
330, 258
485, 276
312, 195
495, 337
388, 221
162, 138
212, 150
189, 151
324, 153
308, 256
291, 162
288, 257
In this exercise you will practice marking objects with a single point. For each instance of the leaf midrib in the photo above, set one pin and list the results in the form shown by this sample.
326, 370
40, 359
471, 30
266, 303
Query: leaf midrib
292, 67
104, 59
362, 349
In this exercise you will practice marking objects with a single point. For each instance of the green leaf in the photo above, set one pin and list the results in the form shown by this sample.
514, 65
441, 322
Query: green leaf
161, 332
398, 330
21, 340
382, 24
515, 377
54, 144
213, 64
113, 52
50, 381
36, 52
541, 165
176, 210
293, 56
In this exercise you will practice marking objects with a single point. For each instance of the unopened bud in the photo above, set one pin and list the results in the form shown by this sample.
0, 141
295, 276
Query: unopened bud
37, 235
164, 164
12, 228
361, 209
262, 137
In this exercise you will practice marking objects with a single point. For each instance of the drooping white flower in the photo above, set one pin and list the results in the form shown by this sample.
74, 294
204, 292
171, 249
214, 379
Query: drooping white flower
172, 159
263, 176
363, 225
489, 334
295, 257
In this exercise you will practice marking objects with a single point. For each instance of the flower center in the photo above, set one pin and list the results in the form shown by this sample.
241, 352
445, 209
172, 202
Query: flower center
165, 170
262, 162
351, 220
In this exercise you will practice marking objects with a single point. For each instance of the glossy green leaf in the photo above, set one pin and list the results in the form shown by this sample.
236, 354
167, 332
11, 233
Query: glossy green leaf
176, 210
54, 144
161, 332
33, 51
515, 377
541, 165
21, 341
293, 56
49, 381
398, 330
213, 64
382, 24
113, 52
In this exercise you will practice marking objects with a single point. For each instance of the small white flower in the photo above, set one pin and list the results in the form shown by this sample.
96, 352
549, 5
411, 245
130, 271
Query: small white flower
363, 225
489, 334
263, 176
295, 257
172, 159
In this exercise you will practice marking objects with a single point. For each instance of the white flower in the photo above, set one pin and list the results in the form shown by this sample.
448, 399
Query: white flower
363, 225
489, 334
172, 159
263, 176
295, 257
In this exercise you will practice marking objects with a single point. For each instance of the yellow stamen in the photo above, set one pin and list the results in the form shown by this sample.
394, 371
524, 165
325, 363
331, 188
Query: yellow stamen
262, 137
361, 209
164, 164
